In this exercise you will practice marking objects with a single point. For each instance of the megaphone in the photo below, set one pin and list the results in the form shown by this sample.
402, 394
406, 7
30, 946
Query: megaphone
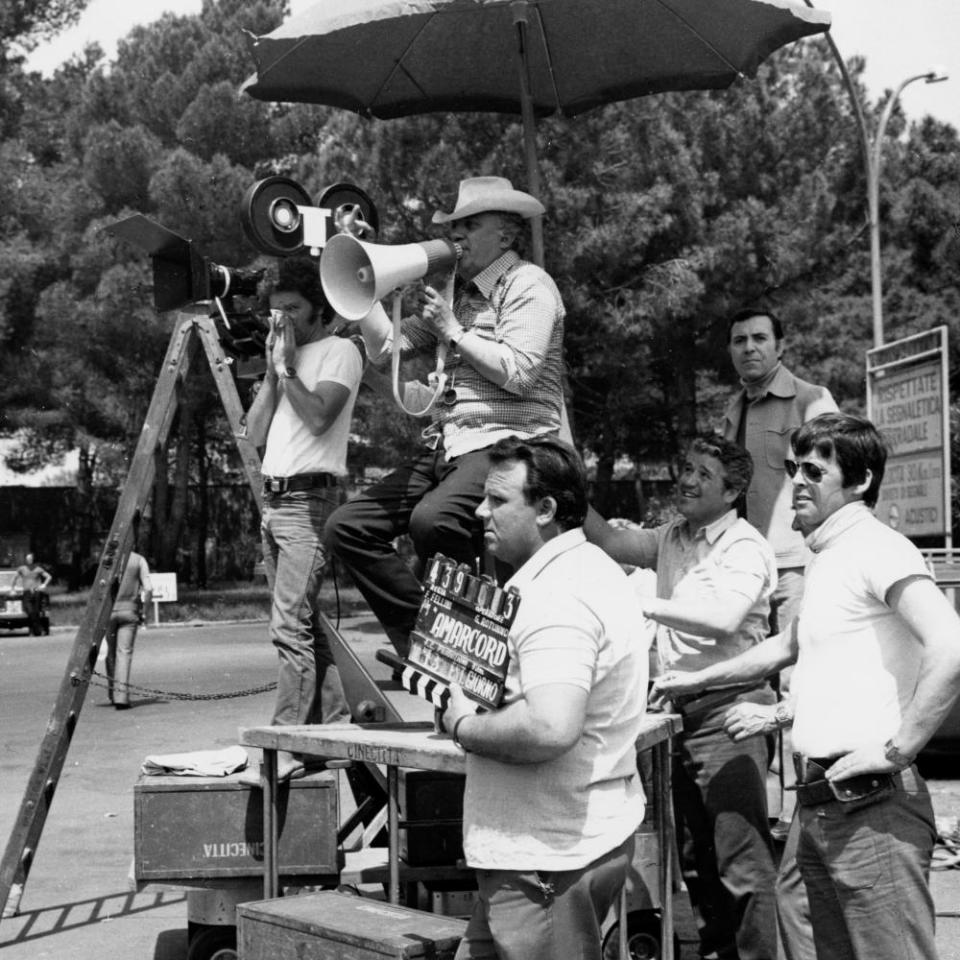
355, 274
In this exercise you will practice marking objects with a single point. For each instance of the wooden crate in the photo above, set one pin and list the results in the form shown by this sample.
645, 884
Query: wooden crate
336, 926
201, 827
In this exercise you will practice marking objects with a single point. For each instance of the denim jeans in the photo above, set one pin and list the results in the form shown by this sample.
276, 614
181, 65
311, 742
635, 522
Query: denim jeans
530, 915
726, 854
293, 552
867, 874
432, 499
121, 635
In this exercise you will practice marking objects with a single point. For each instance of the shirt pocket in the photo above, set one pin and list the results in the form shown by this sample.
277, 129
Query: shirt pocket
776, 446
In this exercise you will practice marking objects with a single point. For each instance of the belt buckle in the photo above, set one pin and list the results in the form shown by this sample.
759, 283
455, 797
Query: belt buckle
275, 484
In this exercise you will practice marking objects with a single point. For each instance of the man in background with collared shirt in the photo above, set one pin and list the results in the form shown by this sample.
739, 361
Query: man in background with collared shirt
877, 648
715, 575
761, 417
504, 337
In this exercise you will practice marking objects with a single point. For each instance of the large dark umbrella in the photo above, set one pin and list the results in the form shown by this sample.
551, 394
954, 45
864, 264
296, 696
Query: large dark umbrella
396, 58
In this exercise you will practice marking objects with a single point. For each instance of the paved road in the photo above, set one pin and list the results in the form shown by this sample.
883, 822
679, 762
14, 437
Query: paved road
79, 903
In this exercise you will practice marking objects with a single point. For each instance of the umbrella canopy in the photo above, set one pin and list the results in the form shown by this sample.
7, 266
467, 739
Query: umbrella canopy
395, 58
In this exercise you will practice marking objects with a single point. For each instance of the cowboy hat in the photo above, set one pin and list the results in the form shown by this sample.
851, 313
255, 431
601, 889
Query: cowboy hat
483, 194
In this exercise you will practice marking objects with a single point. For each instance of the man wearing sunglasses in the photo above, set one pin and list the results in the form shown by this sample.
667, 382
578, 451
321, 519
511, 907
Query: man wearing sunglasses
715, 575
877, 652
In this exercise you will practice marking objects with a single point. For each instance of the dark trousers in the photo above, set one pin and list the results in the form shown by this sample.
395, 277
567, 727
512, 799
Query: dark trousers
32, 602
726, 851
433, 500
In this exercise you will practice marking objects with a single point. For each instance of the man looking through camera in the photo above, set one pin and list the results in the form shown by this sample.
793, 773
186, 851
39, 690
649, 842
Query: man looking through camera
302, 412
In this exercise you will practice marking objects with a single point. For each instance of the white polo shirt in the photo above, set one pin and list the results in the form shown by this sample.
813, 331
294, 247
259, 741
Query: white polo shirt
858, 662
578, 623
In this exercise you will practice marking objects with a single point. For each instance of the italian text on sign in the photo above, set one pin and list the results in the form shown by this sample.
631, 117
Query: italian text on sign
908, 409
908, 399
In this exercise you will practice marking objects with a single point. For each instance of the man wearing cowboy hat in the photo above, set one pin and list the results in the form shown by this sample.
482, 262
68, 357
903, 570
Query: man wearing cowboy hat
504, 342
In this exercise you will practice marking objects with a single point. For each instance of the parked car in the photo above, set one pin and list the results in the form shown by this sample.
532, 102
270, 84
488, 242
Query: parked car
12, 614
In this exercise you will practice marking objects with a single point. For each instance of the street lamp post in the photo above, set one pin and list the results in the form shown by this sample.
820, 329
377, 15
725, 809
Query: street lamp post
873, 156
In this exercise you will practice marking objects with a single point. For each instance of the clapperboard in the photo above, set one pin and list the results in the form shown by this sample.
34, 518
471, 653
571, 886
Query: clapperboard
460, 636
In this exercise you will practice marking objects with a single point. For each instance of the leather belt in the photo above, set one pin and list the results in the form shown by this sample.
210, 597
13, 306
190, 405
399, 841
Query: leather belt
298, 482
853, 793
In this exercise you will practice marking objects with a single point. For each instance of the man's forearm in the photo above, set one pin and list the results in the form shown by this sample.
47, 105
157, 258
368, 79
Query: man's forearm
935, 693
718, 621
511, 735
758, 662
261, 411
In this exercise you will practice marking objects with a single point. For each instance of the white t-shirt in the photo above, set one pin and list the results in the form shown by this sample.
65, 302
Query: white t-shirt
578, 623
291, 447
858, 661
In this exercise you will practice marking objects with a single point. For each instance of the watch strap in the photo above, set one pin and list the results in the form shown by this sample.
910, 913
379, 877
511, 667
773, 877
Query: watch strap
895, 756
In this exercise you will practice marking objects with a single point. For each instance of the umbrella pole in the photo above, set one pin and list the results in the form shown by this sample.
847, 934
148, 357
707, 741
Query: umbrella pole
519, 10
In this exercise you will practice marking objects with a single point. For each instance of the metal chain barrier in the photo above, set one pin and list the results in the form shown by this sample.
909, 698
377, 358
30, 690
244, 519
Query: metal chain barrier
98, 679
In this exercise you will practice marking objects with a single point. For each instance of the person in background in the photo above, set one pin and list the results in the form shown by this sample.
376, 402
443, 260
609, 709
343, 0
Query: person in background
132, 599
33, 580
770, 405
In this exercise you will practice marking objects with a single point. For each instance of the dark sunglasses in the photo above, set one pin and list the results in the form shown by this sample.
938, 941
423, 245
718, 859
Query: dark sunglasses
810, 471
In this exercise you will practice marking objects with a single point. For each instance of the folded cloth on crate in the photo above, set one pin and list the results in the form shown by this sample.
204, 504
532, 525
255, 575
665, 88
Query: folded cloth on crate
197, 763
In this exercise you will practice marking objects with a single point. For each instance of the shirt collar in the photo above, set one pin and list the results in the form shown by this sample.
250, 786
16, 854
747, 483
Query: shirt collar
712, 532
777, 382
548, 552
488, 277
837, 524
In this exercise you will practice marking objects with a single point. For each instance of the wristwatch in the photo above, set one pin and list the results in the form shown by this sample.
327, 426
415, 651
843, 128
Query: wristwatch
783, 715
456, 338
894, 755
288, 373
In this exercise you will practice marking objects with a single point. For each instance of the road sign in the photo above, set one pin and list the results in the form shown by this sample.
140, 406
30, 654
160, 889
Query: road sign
908, 400
164, 587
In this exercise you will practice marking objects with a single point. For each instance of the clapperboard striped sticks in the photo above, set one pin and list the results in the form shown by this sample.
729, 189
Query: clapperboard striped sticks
460, 636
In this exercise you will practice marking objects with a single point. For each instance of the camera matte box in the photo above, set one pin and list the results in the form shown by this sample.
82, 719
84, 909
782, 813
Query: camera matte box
336, 926
199, 827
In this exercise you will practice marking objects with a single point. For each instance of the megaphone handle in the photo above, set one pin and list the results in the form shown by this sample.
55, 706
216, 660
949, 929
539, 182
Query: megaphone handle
395, 367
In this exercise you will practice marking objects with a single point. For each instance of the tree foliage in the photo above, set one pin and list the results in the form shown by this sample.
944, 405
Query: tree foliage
665, 214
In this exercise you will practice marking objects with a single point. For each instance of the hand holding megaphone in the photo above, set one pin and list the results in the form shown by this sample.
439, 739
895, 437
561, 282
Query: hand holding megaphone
439, 314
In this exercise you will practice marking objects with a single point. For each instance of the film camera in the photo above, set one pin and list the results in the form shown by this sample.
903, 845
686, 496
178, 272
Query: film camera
279, 219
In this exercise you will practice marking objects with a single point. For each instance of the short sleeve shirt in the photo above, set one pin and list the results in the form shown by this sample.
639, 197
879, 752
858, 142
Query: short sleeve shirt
577, 624
291, 447
728, 556
858, 662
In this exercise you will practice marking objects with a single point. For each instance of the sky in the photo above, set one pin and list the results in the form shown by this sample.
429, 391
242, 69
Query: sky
898, 39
